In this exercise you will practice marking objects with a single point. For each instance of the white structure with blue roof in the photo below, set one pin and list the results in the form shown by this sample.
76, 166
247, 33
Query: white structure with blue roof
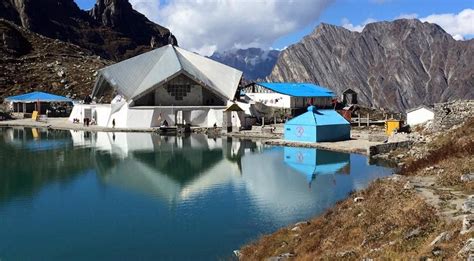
317, 126
289, 95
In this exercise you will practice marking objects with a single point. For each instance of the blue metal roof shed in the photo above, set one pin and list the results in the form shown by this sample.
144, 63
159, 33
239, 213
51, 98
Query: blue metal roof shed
298, 89
317, 126
37, 97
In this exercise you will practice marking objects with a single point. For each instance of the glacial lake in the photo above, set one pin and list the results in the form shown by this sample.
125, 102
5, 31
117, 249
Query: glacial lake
74, 195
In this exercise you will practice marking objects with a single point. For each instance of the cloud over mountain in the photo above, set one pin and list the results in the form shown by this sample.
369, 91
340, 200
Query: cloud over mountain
458, 25
208, 25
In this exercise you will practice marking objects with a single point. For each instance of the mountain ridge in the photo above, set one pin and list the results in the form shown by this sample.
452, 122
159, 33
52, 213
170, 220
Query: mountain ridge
32, 62
395, 65
109, 29
255, 63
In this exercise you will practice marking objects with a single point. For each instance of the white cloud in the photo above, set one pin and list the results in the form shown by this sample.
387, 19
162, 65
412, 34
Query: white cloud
460, 24
207, 25
358, 28
279, 49
150, 8
458, 37
407, 16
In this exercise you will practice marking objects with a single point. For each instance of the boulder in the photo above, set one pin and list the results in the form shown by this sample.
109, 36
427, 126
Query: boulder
467, 224
467, 177
445, 236
413, 233
468, 205
437, 251
468, 247
284, 256
346, 254
61, 73
408, 185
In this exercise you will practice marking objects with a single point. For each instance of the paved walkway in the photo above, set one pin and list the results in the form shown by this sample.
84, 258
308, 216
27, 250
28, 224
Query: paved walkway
359, 144
64, 124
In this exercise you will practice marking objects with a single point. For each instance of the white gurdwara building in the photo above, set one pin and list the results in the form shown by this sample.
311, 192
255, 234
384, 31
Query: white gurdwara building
168, 83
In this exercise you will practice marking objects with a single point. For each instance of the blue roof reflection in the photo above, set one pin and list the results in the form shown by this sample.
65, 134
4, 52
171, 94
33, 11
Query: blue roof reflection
313, 162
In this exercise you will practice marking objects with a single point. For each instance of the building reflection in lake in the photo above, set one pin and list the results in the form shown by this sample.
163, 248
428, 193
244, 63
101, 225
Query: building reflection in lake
174, 168
180, 169
314, 162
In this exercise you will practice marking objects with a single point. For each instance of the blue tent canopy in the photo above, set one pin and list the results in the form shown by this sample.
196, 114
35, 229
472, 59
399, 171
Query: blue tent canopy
298, 89
37, 96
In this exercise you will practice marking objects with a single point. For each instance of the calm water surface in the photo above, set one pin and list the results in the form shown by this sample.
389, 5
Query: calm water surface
73, 195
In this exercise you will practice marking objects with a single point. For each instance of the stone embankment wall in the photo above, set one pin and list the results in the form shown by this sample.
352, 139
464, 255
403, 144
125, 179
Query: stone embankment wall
448, 114
388, 147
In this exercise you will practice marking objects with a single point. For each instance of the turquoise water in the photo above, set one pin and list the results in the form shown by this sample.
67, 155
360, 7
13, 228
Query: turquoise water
67, 195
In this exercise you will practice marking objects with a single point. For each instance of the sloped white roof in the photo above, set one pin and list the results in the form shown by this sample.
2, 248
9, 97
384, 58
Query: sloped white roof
420, 107
137, 75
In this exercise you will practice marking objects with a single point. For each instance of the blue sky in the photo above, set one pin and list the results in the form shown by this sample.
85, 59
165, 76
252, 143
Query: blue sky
358, 11
277, 23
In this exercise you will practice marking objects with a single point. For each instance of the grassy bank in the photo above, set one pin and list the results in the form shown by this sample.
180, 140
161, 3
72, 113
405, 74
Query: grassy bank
395, 218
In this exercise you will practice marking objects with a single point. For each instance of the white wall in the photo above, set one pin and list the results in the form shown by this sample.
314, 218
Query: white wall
283, 101
102, 114
137, 118
102, 111
148, 117
419, 116
234, 119
215, 116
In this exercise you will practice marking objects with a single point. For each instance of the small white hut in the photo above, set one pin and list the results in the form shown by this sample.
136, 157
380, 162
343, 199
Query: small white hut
234, 118
419, 115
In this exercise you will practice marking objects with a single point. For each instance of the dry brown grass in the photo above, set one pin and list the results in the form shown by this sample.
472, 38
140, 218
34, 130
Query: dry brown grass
451, 169
378, 226
458, 143
375, 227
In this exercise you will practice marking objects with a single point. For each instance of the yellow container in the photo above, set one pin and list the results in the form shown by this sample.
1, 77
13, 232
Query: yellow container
34, 115
391, 125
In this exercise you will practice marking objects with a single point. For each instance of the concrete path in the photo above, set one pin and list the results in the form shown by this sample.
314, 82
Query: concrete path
358, 144
64, 124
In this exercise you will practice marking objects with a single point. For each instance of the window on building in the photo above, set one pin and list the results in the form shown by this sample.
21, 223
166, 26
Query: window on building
179, 91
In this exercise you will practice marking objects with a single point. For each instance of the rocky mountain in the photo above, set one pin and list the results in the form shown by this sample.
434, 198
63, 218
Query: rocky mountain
254, 62
30, 62
394, 65
112, 29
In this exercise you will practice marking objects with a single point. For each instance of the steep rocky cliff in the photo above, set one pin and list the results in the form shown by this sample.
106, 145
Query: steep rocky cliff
112, 29
254, 62
30, 62
394, 65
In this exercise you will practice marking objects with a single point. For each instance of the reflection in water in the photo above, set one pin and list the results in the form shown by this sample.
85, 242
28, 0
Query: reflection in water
312, 162
144, 193
176, 168
32, 158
